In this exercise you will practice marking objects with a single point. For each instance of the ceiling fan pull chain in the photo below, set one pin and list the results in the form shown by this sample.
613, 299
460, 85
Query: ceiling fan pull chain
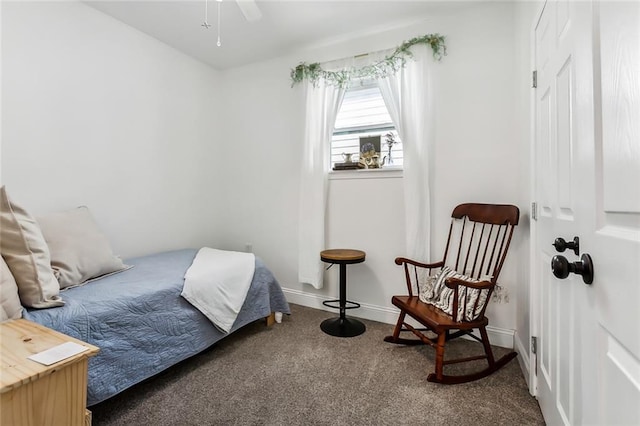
218, 43
206, 15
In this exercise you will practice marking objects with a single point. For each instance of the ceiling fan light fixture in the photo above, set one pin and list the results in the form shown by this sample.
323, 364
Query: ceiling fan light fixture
206, 24
249, 9
218, 43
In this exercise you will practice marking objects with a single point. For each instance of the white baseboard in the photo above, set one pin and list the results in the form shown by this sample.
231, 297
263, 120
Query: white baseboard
388, 315
524, 361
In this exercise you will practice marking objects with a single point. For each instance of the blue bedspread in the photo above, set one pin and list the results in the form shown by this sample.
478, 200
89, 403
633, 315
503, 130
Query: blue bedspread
141, 323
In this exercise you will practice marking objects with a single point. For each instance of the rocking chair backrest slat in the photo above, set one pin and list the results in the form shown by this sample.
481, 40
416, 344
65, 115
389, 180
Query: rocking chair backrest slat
493, 250
446, 250
460, 248
479, 249
504, 247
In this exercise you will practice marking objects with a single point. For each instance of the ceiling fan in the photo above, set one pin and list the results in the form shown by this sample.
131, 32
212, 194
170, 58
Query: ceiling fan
249, 9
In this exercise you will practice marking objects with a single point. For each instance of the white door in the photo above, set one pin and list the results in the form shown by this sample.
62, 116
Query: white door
587, 174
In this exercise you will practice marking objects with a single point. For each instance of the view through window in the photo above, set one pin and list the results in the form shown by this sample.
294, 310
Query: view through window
363, 114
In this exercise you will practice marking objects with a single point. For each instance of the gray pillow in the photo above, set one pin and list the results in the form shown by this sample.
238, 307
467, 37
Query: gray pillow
9, 299
24, 249
79, 250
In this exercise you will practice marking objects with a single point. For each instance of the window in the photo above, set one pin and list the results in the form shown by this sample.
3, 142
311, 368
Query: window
363, 113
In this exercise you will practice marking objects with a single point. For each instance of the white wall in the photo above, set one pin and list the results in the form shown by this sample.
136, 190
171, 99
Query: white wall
96, 113
477, 158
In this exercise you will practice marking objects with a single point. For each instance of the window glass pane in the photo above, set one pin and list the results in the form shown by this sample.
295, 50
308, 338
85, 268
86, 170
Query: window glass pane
362, 107
363, 113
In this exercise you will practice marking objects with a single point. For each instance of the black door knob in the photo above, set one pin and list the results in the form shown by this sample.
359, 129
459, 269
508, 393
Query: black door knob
561, 267
561, 245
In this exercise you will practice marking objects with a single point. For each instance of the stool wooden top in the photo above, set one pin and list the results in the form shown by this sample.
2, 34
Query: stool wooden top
342, 256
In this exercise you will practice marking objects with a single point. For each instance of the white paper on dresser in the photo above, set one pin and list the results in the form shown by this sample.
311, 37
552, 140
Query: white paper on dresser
58, 353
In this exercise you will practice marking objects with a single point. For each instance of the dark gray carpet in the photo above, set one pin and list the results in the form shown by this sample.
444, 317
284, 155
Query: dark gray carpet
294, 374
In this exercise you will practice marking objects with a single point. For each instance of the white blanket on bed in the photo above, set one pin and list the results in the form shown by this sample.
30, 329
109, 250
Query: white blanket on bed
217, 283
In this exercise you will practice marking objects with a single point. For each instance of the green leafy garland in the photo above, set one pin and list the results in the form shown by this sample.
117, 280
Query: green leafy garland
383, 68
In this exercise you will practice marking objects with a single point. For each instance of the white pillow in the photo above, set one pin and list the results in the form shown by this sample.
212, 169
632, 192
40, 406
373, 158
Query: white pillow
27, 255
436, 293
9, 299
79, 250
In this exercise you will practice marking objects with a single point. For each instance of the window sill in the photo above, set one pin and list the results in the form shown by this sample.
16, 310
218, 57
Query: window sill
383, 173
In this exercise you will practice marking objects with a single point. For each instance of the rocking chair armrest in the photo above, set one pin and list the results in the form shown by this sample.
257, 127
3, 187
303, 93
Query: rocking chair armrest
414, 272
403, 260
453, 282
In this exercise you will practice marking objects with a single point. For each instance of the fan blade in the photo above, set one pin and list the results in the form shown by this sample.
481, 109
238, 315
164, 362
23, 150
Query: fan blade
250, 10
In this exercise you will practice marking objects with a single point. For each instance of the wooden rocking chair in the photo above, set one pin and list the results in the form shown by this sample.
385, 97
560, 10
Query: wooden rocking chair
479, 238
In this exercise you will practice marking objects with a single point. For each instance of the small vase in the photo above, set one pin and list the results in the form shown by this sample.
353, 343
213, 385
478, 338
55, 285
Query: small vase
389, 158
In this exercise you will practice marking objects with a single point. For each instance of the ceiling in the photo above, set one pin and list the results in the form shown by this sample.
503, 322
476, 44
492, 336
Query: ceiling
285, 27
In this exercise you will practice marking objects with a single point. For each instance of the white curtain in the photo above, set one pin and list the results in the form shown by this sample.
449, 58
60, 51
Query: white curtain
406, 95
322, 104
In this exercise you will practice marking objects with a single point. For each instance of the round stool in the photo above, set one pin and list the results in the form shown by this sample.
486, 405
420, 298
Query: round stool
342, 326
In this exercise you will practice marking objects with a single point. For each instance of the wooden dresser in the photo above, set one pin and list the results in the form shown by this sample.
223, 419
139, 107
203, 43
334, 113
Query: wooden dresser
33, 394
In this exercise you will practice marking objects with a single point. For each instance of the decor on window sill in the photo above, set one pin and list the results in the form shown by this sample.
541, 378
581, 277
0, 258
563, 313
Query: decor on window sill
370, 151
389, 138
348, 163
347, 157
348, 166
372, 161
381, 69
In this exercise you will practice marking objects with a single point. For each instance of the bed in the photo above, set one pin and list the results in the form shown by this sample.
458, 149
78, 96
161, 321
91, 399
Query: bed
141, 323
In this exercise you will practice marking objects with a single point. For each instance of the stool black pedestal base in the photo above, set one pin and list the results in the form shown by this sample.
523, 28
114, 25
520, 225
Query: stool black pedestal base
342, 327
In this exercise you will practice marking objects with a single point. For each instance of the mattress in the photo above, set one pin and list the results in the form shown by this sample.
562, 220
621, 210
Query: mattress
141, 323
